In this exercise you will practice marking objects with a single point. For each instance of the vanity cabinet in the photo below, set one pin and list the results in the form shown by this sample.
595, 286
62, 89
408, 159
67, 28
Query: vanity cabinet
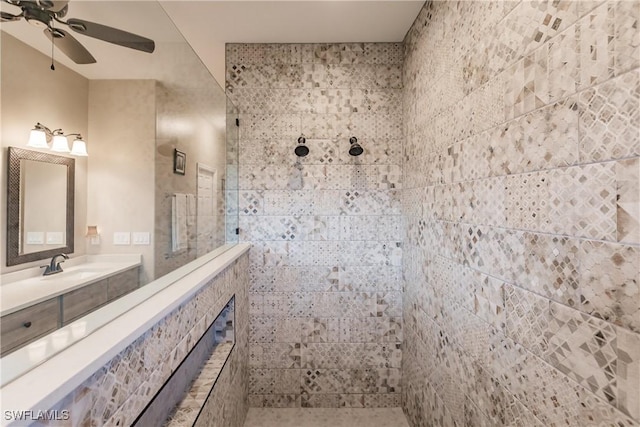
122, 284
24, 326
30, 323
82, 301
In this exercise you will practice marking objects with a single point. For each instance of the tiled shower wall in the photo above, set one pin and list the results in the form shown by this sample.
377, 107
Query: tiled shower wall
325, 297
521, 199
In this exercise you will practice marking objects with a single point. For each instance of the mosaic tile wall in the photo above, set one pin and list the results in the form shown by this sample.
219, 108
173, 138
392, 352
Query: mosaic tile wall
522, 205
325, 296
183, 396
117, 393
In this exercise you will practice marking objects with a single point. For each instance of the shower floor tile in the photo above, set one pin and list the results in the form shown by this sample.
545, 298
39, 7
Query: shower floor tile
326, 417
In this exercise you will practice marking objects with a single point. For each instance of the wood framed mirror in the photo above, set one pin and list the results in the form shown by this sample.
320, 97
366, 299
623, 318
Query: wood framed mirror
40, 205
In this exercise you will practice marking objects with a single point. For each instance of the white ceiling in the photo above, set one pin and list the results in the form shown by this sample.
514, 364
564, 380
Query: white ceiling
208, 24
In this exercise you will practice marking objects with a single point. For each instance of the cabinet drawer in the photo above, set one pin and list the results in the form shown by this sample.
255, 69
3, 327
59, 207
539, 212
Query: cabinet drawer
80, 302
24, 326
122, 283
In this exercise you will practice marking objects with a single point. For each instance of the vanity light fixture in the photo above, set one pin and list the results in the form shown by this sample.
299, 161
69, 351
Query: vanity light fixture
79, 147
93, 235
60, 143
92, 231
40, 136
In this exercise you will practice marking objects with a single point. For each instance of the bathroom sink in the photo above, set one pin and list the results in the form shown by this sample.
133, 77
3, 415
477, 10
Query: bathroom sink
81, 273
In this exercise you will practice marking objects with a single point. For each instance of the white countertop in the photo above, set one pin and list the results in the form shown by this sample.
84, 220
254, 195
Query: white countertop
49, 379
22, 289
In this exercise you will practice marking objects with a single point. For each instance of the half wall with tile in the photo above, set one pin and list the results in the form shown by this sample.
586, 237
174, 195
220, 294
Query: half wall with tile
325, 296
522, 205
119, 392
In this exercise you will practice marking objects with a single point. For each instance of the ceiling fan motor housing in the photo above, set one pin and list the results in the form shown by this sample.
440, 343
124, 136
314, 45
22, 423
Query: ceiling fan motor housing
37, 17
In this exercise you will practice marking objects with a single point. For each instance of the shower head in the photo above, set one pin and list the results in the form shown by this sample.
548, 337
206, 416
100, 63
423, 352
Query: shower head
301, 150
355, 149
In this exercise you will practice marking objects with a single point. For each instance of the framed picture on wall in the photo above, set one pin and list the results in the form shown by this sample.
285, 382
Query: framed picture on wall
179, 162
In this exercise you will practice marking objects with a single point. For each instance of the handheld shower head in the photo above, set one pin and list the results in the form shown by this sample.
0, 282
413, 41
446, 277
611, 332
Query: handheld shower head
301, 149
355, 149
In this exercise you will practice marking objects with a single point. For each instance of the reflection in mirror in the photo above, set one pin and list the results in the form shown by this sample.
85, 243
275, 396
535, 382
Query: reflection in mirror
40, 205
134, 117
43, 189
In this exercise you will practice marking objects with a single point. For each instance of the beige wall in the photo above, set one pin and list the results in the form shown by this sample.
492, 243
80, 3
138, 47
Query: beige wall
121, 160
32, 93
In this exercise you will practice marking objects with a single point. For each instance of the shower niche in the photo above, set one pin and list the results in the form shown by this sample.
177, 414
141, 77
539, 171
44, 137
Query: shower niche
182, 398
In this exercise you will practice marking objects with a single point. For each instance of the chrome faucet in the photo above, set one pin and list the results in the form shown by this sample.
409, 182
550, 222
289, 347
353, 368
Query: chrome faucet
54, 267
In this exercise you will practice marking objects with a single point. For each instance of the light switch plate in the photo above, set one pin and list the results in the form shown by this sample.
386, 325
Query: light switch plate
35, 237
141, 238
55, 238
121, 238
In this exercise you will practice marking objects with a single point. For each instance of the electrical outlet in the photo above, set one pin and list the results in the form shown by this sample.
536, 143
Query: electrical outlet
121, 238
141, 238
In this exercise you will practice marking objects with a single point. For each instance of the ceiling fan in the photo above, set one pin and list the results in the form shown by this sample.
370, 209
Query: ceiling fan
46, 13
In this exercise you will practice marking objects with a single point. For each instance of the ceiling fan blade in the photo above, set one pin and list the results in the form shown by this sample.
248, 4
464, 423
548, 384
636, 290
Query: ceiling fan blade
112, 35
70, 46
13, 2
